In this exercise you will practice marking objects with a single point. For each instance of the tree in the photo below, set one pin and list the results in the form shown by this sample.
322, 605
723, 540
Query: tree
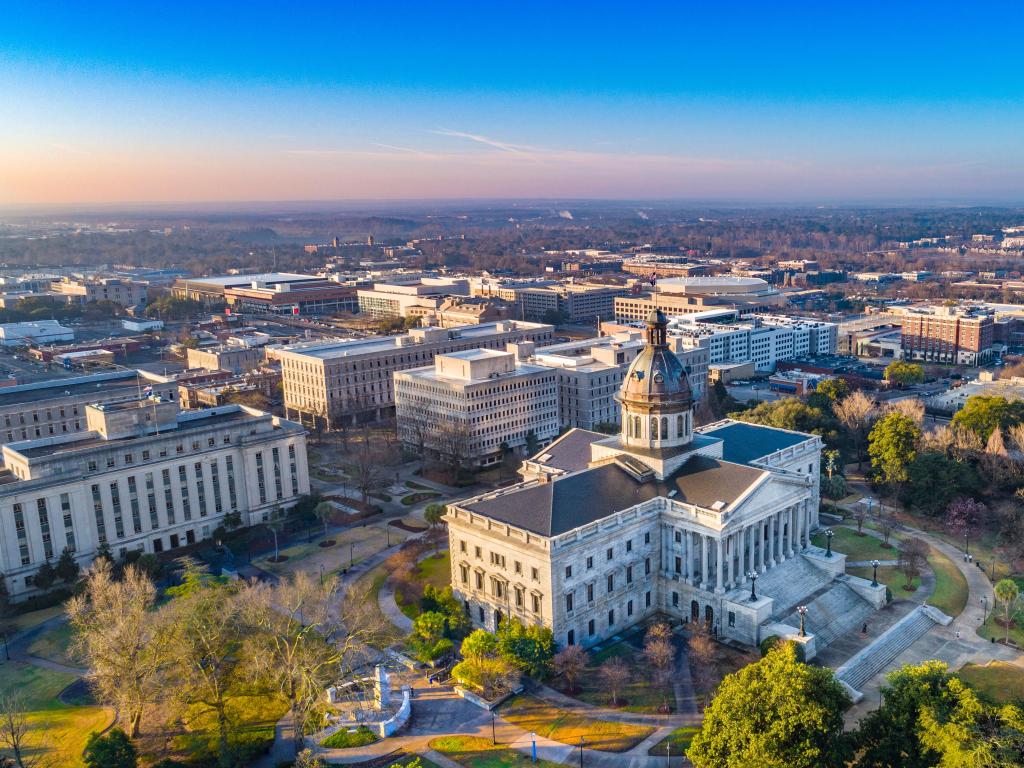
451, 441
67, 569
788, 413
660, 654
570, 663
774, 713
275, 524
15, 731
532, 444
45, 577
892, 445
1007, 593
964, 731
913, 554
529, 648
122, 641
912, 408
934, 480
860, 514
702, 653
428, 636
308, 759
433, 514
834, 389
480, 643
995, 461
889, 737
886, 522
902, 373
113, 750
206, 648
366, 471
983, 413
324, 511
963, 517
614, 674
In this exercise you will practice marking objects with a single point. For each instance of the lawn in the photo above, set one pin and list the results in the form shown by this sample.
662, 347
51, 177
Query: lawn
640, 694
477, 752
417, 486
253, 718
419, 496
857, 547
532, 714
32, 619
679, 740
888, 575
997, 681
53, 645
951, 591
345, 739
367, 587
60, 730
351, 546
434, 570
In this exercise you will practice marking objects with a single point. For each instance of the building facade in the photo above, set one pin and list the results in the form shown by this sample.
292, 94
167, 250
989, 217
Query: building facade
941, 334
127, 293
237, 358
143, 477
476, 405
662, 519
334, 382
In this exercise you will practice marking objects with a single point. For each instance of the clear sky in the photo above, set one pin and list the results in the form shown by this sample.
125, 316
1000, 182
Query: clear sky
777, 101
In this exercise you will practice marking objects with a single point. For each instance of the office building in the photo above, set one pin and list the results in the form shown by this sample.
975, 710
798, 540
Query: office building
212, 291
688, 295
476, 405
331, 382
234, 355
127, 293
35, 332
570, 302
143, 477
401, 298
947, 334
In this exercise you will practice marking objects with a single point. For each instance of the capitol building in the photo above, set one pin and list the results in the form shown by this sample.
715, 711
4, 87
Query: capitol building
664, 518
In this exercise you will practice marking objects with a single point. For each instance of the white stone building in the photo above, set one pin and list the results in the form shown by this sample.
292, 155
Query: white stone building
606, 531
143, 476
489, 399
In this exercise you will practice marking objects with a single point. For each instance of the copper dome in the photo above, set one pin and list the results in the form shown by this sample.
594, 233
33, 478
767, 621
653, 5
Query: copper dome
656, 376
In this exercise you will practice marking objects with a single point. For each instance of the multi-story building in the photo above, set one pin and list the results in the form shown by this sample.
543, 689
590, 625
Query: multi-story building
688, 295
143, 476
575, 302
57, 407
333, 382
398, 298
35, 332
605, 532
941, 334
479, 403
305, 297
235, 357
212, 291
127, 293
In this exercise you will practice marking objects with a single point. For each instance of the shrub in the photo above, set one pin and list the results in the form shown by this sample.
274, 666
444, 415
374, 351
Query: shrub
772, 642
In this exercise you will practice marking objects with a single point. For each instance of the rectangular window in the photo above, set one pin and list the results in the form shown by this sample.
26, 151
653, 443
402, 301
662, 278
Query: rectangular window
19, 527
629, 608
154, 518
610, 553
590, 563
276, 455
568, 571
590, 593
186, 501
519, 597
647, 537
629, 545
97, 509
260, 478
133, 502
535, 600
478, 552
732, 619
611, 617
535, 574
218, 505
679, 537
675, 599
570, 637
168, 497
44, 528
647, 566
611, 582
647, 599
69, 523
679, 565
568, 602
200, 488
115, 502
229, 465
629, 574
590, 627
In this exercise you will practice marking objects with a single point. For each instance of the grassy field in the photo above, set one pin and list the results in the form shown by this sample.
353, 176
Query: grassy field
53, 645
641, 694
679, 740
855, 546
418, 497
532, 714
434, 570
997, 681
253, 717
951, 591
344, 739
351, 546
369, 585
476, 752
32, 619
57, 730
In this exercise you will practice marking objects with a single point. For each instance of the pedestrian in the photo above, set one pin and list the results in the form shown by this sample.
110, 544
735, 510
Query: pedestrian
958, 635
864, 628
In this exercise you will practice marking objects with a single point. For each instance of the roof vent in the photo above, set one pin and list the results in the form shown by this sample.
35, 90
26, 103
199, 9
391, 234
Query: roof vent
718, 506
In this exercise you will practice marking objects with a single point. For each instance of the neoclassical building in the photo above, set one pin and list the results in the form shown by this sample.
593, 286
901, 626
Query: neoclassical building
663, 518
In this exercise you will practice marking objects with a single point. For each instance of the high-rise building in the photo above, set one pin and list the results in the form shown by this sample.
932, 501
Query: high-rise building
941, 334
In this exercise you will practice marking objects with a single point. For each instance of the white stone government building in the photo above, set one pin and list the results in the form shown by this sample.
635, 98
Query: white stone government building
607, 531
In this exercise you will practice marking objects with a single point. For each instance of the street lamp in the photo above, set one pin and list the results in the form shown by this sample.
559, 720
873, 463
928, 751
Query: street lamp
7, 653
874, 573
494, 740
351, 554
581, 752
533, 742
828, 539
984, 611
321, 574
802, 610
752, 575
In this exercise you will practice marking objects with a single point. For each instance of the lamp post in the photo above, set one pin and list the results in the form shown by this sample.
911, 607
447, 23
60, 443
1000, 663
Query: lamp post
7, 653
828, 539
533, 742
984, 611
351, 554
874, 573
581, 752
494, 740
967, 542
321, 574
802, 610
752, 575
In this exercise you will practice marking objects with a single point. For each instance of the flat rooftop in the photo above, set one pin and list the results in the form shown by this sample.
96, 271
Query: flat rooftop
103, 384
260, 277
744, 443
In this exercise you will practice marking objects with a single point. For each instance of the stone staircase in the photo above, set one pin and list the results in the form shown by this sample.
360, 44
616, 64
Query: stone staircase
791, 584
833, 611
871, 660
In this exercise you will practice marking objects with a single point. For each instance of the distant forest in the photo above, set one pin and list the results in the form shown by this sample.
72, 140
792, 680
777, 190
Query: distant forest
501, 236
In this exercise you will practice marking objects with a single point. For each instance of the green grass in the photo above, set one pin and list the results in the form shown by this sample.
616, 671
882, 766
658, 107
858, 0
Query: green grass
641, 693
537, 716
951, 591
888, 575
417, 486
54, 645
26, 621
253, 718
59, 731
477, 752
345, 739
857, 547
679, 740
434, 570
997, 681
419, 496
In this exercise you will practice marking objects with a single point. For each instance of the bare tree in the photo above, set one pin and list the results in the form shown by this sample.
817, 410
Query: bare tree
886, 523
615, 674
860, 514
912, 408
451, 441
661, 655
366, 472
15, 732
570, 662
124, 643
913, 554
702, 656
856, 412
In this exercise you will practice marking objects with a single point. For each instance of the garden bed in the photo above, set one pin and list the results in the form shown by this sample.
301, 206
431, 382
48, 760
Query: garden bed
538, 716
418, 497
477, 752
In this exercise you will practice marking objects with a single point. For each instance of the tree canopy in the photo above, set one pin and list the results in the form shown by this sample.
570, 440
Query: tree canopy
902, 373
789, 413
983, 413
892, 445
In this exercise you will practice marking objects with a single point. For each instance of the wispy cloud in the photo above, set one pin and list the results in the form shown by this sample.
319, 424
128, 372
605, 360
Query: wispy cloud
504, 146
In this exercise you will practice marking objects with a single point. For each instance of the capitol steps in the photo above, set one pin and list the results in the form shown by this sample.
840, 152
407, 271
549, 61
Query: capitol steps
871, 660
834, 611
791, 584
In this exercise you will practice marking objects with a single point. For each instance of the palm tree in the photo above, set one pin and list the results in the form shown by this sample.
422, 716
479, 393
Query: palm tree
1007, 593
276, 525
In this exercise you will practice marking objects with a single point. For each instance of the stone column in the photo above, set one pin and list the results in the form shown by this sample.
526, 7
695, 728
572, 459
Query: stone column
774, 539
687, 554
727, 548
719, 551
705, 562
801, 527
790, 543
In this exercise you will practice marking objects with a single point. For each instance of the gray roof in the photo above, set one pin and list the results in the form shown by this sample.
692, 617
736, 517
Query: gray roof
569, 501
570, 452
743, 443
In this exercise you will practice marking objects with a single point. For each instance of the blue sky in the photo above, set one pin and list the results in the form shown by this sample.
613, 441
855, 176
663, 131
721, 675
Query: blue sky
111, 102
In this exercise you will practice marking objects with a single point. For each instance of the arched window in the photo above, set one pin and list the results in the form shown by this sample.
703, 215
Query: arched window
636, 426
664, 427
629, 427
654, 427
680, 425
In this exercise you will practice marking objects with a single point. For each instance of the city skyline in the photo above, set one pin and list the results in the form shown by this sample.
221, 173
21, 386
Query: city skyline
116, 103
